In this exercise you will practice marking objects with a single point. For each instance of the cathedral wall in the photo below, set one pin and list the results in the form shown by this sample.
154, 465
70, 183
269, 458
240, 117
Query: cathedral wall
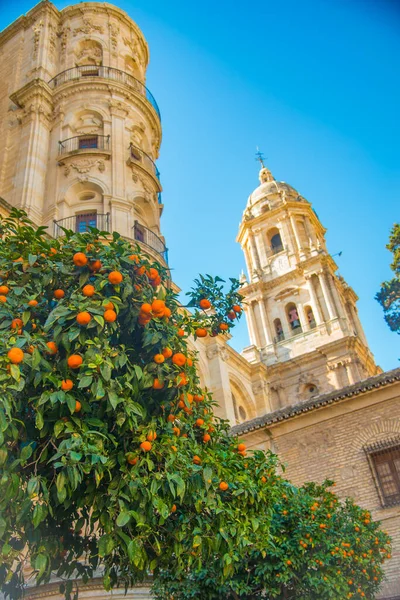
330, 442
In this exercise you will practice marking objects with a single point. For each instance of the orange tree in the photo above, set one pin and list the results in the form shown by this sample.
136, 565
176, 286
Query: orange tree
317, 547
110, 454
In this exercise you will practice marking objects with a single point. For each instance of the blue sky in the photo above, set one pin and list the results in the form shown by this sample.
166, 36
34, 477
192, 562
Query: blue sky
315, 84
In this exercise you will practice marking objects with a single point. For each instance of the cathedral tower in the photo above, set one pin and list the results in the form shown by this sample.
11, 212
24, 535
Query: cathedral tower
301, 314
80, 130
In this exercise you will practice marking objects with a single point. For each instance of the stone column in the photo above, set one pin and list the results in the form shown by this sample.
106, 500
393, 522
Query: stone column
303, 318
247, 261
350, 374
251, 325
260, 245
264, 320
220, 386
254, 253
296, 234
327, 296
314, 301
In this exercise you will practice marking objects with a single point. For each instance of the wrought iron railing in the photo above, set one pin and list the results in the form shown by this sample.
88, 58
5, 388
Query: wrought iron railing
146, 236
102, 72
81, 223
84, 142
137, 155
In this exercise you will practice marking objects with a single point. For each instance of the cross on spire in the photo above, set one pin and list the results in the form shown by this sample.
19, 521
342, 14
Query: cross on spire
260, 157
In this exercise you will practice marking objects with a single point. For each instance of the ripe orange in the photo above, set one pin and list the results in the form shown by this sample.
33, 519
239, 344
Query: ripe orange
176, 431
4, 289
173, 508
196, 460
224, 326
189, 362
157, 384
167, 312
263, 479
171, 418
199, 422
74, 361
78, 406
231, 315
67, 385
155, 282
179, 359
144, 319
33, 303
159, 359
145, 308
109, 306
131, 459
15, 355
83, 318
53, 251
88, 290
152, 274
52, 346
223, 486
174, 448
201, 332
80, 259
189, 398
3, 299
181, 333
140, 270
181, 380
206, 437
158, 307
167, 352
134, 257
181, 404
115, 277
237, 308
59, 294
146, 446
110, 316
151, 436
95, 265
241, 447
205, 304
16, 324
198, 398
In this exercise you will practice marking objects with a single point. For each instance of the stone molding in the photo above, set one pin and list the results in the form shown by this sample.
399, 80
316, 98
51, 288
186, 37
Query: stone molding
84, 166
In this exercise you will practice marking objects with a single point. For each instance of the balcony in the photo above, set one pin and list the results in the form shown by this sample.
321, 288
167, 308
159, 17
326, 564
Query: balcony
81, 223
82, 143
145, 236
102, 72
277, 249
138, 157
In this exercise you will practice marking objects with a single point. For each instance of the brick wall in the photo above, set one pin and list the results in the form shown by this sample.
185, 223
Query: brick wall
329, 443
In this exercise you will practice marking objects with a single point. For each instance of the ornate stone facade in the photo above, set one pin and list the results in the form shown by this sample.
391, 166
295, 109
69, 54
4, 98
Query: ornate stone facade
80, 135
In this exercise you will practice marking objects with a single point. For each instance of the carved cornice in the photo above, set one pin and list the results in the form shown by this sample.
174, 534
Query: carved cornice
34, 98
84, 166
28, 20
148, 180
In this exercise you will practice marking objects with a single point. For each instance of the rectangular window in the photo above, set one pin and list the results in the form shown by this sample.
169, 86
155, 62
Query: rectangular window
85, 221
88, 142
386, 464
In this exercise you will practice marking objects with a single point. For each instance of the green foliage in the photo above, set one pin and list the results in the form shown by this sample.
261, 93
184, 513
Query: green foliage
118, 462
317, 547
389, 294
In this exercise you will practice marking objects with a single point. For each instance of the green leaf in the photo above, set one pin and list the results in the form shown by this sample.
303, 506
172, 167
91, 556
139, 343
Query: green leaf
40, 564
105, 545
123, 518
39, 421
15, 372
99, 320
85, 381
105, 371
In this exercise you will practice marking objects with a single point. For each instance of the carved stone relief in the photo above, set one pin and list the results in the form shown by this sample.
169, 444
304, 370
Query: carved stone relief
84, 166
88, 27
37, 30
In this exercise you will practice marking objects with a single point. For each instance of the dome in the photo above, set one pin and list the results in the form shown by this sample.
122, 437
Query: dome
270, 187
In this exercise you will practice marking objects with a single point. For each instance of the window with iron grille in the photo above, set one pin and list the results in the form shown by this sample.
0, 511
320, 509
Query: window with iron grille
88, 142
386, 465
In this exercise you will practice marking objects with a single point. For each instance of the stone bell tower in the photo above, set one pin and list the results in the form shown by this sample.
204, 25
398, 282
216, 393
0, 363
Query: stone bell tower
301, 314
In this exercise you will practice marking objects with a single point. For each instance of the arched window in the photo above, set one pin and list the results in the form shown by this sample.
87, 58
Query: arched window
132, 67
310, 317
279, 335
293, 318
275, 240
238, 408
